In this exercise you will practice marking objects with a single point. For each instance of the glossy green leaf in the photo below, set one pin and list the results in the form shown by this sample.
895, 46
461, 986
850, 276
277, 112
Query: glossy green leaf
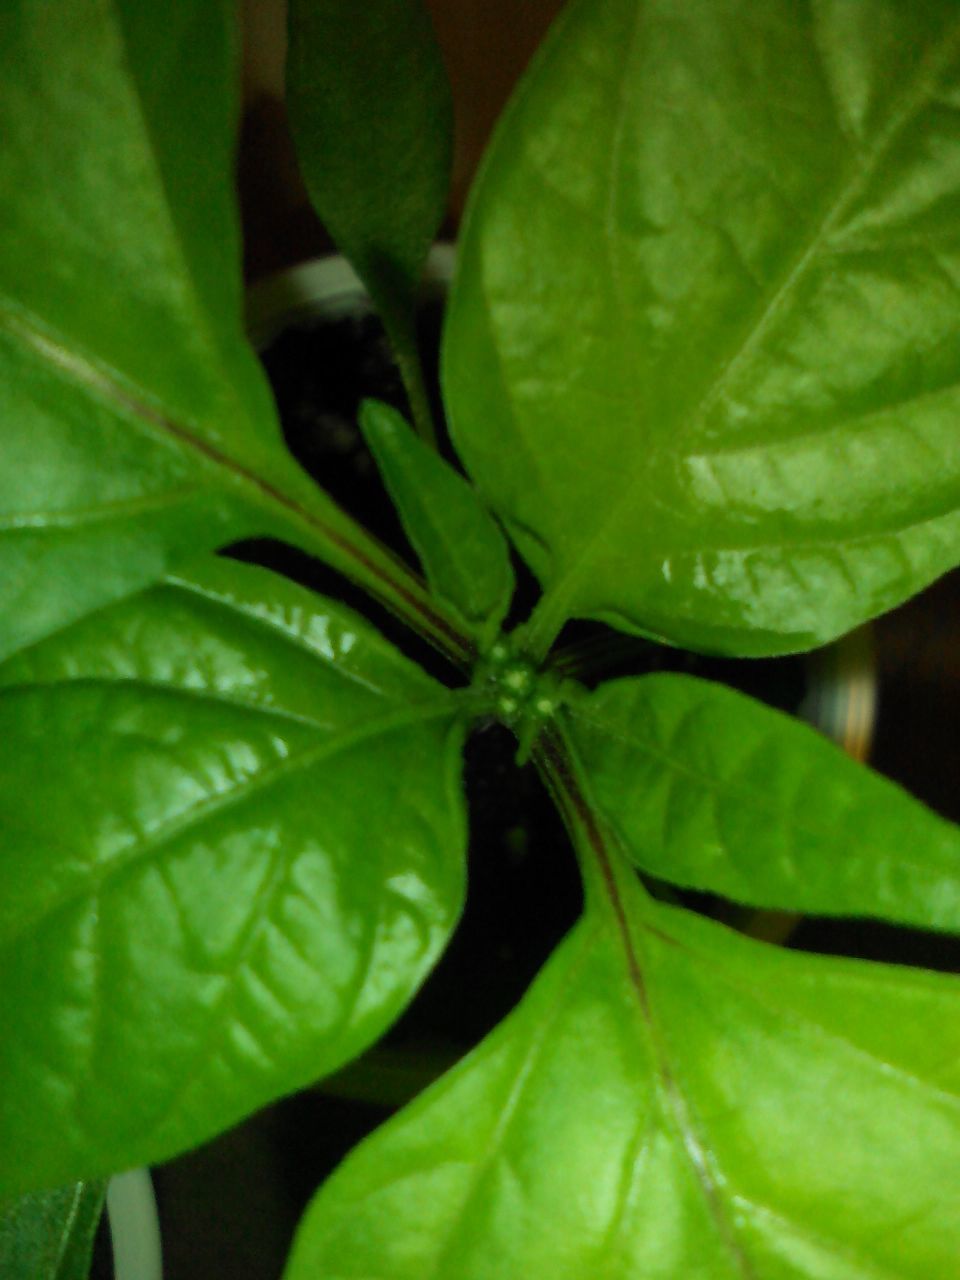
48, 1235
671, 1100
463, 553
712, 790
232, 847
137, 428
703, 353
372, 118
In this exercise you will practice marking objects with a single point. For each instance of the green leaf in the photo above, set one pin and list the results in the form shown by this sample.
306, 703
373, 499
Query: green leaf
233, 838
671, 1100
372, 119
49, 1235
464, 555
138, 429
711, 790
703, 353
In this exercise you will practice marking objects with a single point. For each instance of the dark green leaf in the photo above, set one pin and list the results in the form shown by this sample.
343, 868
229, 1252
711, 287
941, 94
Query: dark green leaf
704, 345
233, 838
137, 427
671, 1100
48, 1235
711, 790
464, 555
371, 115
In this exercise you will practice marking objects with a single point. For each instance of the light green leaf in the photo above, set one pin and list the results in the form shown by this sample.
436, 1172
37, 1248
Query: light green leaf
137, 428
372, 119
464, 555
49, 1235
232, 847
703, 353
708, 789
671, 1100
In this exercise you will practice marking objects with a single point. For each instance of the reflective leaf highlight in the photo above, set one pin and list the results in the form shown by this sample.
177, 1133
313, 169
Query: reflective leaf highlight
702, 352
233, 839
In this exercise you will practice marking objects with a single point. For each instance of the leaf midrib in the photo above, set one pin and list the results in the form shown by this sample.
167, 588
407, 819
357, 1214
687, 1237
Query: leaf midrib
850, 1046
560, 769
379, 569
110, 387
73, 517
166, 688
66, 1229
213, 806
554, 602
239, 610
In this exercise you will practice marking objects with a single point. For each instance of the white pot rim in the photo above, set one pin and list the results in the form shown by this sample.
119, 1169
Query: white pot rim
331, 282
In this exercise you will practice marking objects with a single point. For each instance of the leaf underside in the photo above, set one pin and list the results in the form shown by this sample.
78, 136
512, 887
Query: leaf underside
233, 847
49, 1235
703, 351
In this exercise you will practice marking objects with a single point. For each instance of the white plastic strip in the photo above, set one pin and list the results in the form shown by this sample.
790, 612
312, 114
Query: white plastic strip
134, 1226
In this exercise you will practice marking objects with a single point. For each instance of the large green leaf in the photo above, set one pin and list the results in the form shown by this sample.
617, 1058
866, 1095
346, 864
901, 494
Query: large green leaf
464, 555
232, 846
372, 118
711, 790
671, 1100
137, 428
703, 353
48, 1235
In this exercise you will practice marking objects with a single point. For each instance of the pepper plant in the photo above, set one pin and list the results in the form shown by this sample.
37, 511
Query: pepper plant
701, 366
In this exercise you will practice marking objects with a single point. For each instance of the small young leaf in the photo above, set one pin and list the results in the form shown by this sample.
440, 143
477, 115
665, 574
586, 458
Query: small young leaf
48, 1235
711, 790
463, 553
371, 115
138, 429
233, 838
703, 348
671, 1100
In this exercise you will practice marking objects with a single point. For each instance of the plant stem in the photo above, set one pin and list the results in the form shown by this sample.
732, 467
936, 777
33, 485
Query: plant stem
287, 497
363, 559
399, 321
411, 371
544, 625
553, 759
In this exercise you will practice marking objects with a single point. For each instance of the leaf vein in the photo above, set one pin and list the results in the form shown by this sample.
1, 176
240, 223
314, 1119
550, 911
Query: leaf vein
195, 815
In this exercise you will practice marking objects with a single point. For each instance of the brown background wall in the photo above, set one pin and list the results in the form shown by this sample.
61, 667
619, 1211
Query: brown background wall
485, 44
